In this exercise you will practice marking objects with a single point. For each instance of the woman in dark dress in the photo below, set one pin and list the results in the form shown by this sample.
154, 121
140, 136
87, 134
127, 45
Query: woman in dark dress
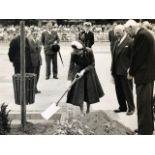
88, 88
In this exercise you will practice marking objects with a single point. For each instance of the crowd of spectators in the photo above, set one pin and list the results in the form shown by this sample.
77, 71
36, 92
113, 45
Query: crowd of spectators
65, 32
7, 32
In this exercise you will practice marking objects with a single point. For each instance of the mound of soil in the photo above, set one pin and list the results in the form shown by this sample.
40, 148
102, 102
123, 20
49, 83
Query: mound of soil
95, 123
101, 124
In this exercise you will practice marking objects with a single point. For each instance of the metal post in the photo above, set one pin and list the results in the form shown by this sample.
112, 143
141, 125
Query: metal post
22, 71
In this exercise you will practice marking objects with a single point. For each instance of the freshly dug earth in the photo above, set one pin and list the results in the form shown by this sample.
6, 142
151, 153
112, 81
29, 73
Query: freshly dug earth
101, 124
95, 123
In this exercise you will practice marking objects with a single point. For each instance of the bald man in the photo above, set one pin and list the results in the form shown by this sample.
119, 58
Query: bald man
147, 25
121, 59
143, 70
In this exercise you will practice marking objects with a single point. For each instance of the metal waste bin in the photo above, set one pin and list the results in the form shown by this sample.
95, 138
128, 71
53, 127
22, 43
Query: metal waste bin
30, 86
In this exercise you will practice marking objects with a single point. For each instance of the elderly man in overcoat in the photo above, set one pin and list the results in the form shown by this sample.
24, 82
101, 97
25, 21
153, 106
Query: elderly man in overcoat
143, 70
14, 54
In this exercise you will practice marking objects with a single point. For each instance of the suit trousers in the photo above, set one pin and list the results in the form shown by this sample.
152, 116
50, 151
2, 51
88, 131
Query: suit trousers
48, 59
28, 69
124, 92
145, 108
17, 68
36, 70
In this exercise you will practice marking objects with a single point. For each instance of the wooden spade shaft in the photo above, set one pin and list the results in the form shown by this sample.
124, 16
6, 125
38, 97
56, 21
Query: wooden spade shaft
73, 82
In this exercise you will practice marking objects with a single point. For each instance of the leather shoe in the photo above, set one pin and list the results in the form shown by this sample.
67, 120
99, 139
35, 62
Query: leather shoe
55, 77
47, 77
138, 133
130, 112
38, 92
136, 130
119, 110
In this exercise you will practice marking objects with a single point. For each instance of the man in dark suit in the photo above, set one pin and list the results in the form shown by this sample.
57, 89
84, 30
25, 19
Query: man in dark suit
112, 37
87, 36
121, 59
14, 54
50, 38
143, 70
35, 45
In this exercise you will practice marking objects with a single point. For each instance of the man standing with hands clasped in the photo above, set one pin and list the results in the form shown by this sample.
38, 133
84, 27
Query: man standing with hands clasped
121, 59
143, 70
35, 45
87, 36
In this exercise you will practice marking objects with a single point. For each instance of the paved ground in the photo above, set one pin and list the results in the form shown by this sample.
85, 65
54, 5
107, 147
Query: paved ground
52, 89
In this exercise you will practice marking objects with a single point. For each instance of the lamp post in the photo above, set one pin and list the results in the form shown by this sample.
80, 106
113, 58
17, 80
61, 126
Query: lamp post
22, 72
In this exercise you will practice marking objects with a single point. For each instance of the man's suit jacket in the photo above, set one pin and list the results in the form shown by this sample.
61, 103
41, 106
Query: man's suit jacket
143, 63
14, 52
87, 38
121, 57
35, 52
48, 40
112, 39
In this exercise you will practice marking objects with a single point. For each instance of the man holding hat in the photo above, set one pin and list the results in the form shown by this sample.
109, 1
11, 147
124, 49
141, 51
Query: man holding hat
50, 42
87, 36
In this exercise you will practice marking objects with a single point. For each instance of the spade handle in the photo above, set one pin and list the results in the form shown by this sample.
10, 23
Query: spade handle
73, 82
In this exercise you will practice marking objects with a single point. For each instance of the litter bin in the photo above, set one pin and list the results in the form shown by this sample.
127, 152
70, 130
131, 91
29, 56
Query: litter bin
30, 86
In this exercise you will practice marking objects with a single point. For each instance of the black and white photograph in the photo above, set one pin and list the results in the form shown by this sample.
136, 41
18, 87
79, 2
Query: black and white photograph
77, 76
